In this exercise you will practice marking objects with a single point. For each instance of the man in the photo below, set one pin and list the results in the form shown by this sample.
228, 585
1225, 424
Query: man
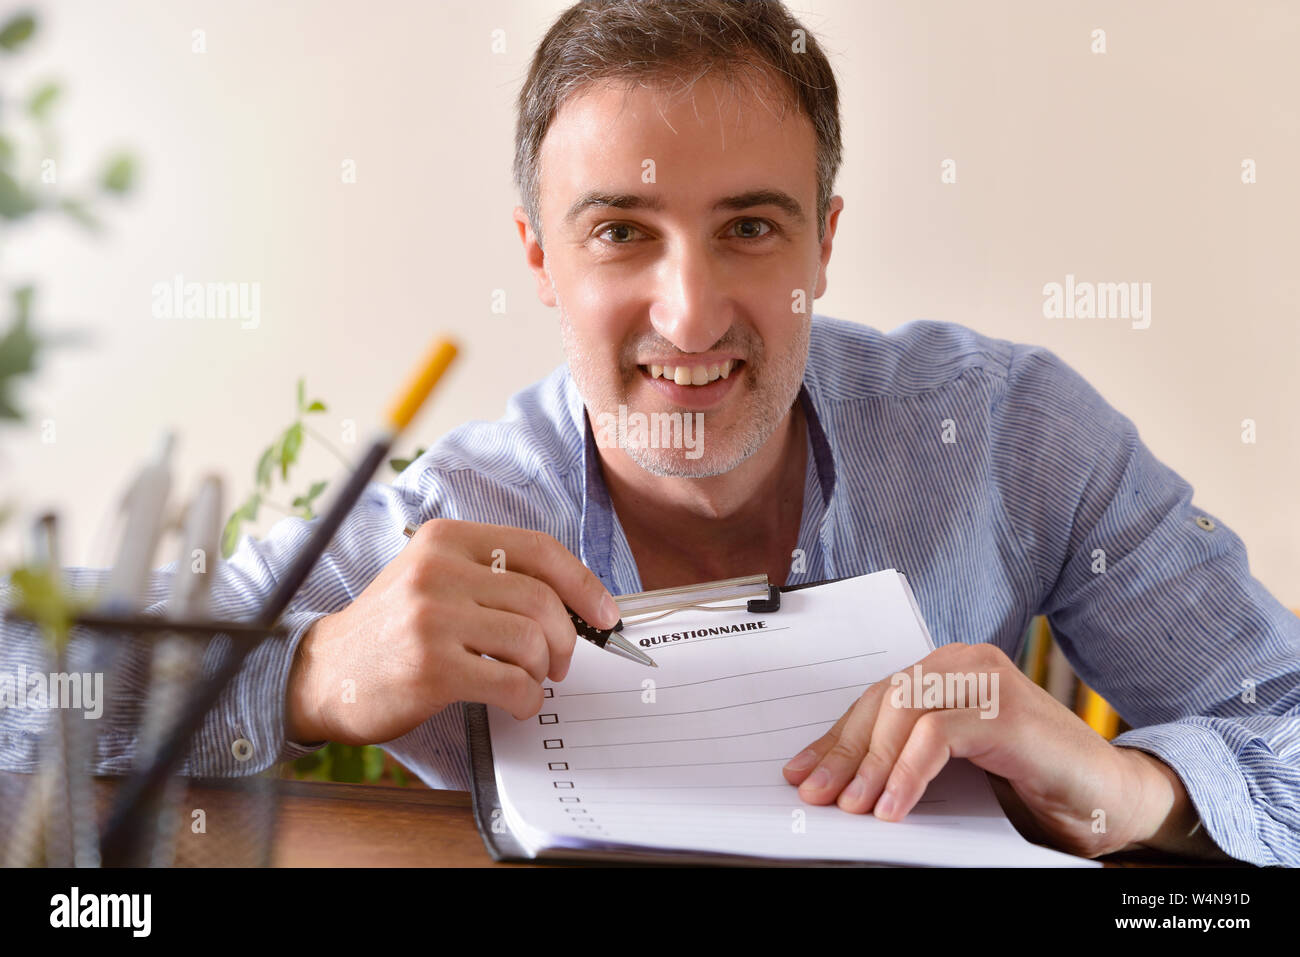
679, 214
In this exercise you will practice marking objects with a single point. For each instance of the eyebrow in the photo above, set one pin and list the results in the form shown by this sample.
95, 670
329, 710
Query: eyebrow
755, 197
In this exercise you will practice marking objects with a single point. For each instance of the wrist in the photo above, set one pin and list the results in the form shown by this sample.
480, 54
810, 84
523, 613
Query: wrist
1167, 820
302, 719
1163, 806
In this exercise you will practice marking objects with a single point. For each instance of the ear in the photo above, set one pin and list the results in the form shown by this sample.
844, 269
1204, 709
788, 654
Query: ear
535, 257
832, 220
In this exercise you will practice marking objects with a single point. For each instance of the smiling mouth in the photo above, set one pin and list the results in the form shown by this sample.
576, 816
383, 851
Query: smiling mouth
693, 374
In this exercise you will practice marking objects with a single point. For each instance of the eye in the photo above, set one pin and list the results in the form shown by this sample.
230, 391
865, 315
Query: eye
759, 222
612, 227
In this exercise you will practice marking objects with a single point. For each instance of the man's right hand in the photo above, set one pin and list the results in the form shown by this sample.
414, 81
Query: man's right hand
412, 642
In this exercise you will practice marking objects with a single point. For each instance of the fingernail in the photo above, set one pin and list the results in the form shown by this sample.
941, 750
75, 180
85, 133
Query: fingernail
820, 778
857, 787
885, 806
608, 611
802, 761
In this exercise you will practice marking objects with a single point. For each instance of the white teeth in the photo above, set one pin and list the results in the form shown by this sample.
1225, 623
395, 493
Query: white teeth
693, 375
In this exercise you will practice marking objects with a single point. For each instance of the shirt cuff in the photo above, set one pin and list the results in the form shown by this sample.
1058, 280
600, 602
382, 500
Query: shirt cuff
297, 625
1214, 782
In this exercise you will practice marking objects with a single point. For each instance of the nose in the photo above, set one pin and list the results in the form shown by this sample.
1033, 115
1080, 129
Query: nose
691, 307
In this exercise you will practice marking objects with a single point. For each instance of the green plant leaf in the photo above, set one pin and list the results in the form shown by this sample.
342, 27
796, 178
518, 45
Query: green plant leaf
119, 174
14, 203
245, 513
348, 763
23, 296
316, 406
302, 394
290, 445
401, 465
373, 759
265, 463
79, 211
230, 535
17, 31
41, 597
308, 762
18, 349
304, 501
41, 101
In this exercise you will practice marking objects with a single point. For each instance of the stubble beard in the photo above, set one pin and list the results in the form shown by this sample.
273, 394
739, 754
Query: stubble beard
771, 384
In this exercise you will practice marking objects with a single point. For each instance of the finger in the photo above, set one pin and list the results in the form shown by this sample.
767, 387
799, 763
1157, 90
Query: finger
501, 684
507, 637
530, 597
801, 765
895, 721
841, 759
541, 556
936, 737
892, 730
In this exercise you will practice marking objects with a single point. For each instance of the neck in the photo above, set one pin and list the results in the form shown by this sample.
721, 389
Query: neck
685, 530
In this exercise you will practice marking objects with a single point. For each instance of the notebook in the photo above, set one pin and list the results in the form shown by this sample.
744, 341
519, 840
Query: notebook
682, 763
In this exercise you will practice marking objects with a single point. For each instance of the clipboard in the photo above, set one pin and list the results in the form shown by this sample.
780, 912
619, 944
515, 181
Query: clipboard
636, 608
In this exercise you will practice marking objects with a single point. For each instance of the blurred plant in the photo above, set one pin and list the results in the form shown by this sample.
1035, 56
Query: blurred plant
30, 186
333, 762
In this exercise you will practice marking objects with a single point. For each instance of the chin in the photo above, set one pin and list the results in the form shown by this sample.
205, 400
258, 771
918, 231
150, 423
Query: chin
673, 463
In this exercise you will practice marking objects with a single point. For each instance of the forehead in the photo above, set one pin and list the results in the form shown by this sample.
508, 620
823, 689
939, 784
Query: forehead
701, 142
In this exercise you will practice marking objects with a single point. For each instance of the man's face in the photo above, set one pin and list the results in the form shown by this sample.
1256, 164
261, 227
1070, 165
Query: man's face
710, 257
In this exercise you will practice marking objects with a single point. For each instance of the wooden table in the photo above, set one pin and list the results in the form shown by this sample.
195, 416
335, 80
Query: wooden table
368, 825
352, 825
356, 825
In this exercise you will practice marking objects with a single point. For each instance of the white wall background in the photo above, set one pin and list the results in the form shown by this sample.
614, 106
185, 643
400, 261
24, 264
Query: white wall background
1116, 167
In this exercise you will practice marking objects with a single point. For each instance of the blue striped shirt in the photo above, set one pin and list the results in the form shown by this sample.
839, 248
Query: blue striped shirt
989, 472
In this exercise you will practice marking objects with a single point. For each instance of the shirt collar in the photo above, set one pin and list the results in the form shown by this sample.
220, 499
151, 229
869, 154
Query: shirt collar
596, 545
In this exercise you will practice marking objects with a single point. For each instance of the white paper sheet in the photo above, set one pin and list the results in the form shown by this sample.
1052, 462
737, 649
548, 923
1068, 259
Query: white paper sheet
691, 762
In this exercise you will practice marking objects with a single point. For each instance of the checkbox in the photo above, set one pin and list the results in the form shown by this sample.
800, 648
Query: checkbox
553, 743
576, 810
570, 800
548, 692
559, 765
548, 719
563, 784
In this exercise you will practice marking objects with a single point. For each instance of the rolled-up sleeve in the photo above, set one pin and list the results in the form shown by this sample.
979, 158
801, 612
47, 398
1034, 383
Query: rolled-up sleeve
244, 732
1152, 600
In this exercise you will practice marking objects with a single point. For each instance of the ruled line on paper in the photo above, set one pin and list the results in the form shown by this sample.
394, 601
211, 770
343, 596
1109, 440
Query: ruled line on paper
725, 707
705, 681
695, 764
715, 737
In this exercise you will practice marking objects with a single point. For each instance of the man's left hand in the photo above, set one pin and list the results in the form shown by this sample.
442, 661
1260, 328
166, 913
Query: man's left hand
880, 756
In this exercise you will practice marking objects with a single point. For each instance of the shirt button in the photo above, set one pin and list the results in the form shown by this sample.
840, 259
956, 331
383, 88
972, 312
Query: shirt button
242, 749
1205, 523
